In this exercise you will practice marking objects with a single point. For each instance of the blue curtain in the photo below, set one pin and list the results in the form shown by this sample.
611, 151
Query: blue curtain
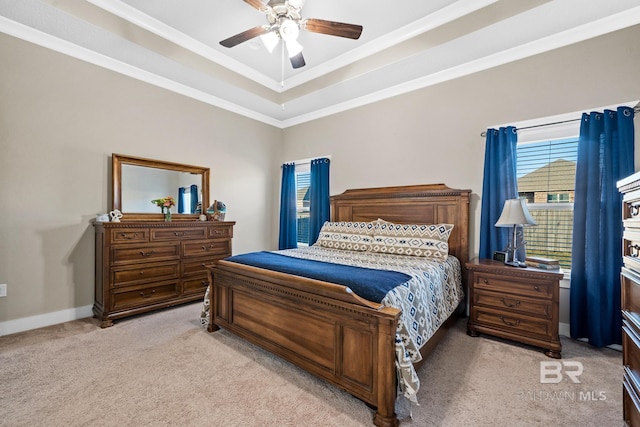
181, 200
288, 218
499, 184
194, 197
605, 155
319, 203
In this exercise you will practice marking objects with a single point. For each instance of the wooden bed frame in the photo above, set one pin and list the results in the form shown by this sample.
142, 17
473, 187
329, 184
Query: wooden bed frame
325, 328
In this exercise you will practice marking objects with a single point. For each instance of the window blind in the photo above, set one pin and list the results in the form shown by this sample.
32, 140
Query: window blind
546, 179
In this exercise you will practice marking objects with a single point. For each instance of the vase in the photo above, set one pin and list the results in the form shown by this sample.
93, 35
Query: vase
167, 214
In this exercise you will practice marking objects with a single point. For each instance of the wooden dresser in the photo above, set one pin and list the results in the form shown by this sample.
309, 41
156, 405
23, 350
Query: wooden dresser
630, 303
519, 304
144, 266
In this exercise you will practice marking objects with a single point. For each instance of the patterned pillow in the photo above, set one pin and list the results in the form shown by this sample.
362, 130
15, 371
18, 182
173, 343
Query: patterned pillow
431, 241
351, 236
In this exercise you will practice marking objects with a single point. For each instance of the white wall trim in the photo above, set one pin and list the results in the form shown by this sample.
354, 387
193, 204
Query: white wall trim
42, 320
564, 330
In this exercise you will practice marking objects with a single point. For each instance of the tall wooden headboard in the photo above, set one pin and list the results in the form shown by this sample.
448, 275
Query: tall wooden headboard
413, 204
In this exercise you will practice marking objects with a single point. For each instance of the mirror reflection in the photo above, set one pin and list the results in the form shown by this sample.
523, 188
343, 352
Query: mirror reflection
144, 184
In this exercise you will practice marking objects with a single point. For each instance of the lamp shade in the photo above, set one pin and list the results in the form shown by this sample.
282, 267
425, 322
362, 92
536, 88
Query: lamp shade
515, 212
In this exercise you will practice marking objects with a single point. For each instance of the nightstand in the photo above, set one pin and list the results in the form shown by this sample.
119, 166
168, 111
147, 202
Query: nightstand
519, 304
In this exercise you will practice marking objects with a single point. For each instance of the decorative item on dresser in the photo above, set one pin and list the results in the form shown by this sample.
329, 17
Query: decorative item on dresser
630, 302
516, 304
144, 266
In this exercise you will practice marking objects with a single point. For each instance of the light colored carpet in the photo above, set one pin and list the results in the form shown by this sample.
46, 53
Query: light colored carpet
164, 369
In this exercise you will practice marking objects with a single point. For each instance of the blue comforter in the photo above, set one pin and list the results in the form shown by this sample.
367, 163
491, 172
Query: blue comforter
367, 283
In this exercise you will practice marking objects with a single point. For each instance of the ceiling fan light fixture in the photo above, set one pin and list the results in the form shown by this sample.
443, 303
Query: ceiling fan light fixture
296, 3
270, 40
289, 30
293, 48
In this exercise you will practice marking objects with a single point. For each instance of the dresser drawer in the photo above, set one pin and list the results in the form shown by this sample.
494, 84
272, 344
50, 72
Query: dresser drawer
220, 232
195, 285
140, 273
132, 254
196, 266
514, 303
511, 321
631, 348
160, 234
630, 400
513, 285
145, 295
630, 283
127, 235
213, 248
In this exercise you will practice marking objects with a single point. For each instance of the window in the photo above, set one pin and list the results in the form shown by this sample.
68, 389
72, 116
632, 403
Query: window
303, 185
546, 173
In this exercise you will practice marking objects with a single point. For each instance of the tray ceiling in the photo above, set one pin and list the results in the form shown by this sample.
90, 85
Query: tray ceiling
404, 46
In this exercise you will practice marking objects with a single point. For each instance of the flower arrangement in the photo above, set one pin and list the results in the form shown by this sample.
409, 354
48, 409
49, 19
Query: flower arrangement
165, 202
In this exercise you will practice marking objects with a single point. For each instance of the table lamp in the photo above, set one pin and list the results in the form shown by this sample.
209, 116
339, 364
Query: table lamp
514, 214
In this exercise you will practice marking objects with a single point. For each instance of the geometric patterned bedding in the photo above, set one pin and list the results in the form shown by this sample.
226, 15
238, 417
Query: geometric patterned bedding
426, 300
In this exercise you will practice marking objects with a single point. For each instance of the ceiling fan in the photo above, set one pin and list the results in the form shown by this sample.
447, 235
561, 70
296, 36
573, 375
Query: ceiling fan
285, 23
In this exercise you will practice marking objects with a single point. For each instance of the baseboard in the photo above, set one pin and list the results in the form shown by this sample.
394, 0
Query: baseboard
564, 329
42, 320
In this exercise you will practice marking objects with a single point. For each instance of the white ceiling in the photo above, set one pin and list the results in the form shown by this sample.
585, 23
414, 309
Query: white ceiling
405, 45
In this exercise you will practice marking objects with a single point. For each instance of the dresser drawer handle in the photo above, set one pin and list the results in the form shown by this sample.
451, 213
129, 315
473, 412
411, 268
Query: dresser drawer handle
204, 248
634, 209
143, 253
219, 232
204, 282
634, 247
143, 295
485, 281
128, 236
536, 288
178, 234
141, 272
516, 304
516, 323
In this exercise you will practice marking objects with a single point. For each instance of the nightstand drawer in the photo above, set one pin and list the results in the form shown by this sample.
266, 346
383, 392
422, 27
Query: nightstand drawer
514, 303
510, 322
513, 285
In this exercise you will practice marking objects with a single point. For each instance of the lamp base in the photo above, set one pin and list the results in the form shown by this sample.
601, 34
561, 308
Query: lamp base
516, 264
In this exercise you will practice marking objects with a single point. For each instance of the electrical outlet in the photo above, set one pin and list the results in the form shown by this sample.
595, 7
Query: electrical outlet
3, 290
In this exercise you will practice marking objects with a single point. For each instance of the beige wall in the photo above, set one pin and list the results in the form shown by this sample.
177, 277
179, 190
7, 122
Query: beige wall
60, 120
433, 135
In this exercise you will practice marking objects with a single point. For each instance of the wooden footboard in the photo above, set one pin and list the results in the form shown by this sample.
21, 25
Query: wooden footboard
321, 327
324, 328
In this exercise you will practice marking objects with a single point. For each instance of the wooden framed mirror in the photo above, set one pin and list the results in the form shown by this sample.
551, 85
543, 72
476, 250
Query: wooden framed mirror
137, 181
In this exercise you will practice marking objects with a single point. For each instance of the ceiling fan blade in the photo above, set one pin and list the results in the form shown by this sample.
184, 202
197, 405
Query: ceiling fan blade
332, 28
257, 4
244, 36
297, 61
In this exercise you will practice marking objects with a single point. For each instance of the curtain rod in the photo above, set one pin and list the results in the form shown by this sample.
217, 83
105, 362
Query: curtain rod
484, 134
